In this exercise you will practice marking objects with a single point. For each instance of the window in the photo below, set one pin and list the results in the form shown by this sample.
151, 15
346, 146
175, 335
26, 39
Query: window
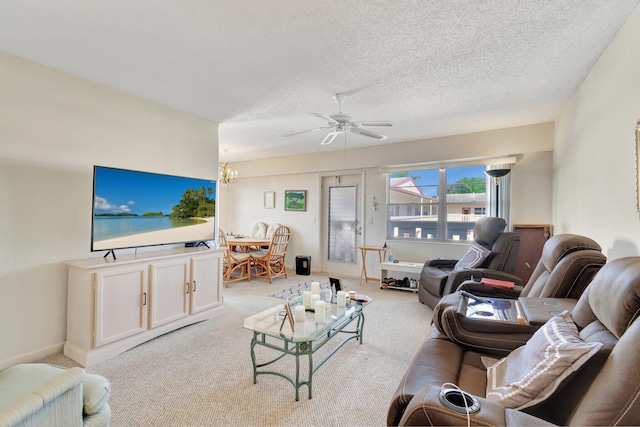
416, 210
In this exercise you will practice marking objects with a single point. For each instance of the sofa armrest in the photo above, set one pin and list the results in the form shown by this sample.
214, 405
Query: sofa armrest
425, 408
54, 391
440, 262
101, 418
65, 381
493, 337
499, 275
477, 288
96, 391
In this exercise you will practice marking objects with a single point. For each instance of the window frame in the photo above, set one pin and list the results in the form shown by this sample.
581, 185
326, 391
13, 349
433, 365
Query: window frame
442, 205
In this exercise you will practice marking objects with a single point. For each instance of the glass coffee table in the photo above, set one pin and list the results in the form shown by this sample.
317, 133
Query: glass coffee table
272, 330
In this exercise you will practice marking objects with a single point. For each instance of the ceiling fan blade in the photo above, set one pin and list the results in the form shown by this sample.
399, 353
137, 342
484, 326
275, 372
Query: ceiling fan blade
330, 137
324, 117
376, 124
368, 133
305, 131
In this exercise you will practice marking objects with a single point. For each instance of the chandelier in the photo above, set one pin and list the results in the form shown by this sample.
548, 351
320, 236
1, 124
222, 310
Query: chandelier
228, 175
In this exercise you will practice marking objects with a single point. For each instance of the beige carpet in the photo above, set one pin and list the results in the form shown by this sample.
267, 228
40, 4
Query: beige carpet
201, 375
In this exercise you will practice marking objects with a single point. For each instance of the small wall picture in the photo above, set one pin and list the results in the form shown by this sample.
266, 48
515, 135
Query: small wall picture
295, 200
269, 199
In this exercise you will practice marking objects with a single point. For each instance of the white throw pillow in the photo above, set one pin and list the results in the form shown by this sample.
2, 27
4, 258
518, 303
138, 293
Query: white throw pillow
531, 373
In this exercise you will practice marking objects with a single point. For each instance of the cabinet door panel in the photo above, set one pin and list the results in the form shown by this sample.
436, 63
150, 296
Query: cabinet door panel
120, 303
169, 291
206, 276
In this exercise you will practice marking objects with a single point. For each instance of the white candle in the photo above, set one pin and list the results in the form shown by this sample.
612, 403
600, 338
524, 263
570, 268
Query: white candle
298, 313
314, 298
320, 312
306, 298
342, 298
315, 287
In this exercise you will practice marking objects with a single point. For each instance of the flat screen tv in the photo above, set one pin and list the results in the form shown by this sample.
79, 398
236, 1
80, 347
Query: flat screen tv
135, 208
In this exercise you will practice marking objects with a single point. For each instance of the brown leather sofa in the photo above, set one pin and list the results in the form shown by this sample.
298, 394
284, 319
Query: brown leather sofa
567, 265
604, 391
440, 277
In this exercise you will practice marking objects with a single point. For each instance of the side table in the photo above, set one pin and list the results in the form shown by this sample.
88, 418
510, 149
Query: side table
381, 254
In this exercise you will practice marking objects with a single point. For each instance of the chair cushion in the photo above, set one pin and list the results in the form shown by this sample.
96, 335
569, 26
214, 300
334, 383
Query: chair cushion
272, 229
531, 373
259, 230
475, 256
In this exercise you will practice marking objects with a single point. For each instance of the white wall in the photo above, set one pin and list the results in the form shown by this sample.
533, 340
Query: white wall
531, 189
531, 181
53, 129
595, 157
242, 205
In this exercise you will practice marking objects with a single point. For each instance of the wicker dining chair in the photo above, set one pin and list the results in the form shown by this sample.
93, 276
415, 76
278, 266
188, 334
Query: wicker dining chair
270, 264
236, 266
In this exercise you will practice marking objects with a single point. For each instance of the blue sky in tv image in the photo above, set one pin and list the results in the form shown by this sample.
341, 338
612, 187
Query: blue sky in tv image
128, 202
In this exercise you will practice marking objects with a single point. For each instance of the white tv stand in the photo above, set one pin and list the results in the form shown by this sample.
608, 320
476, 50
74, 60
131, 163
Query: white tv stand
115, 305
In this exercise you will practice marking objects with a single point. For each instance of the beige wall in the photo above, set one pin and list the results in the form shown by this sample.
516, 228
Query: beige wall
595, 158
53, 129
531, 179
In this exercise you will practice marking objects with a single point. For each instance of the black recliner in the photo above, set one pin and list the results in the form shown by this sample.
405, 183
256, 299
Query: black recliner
440, 277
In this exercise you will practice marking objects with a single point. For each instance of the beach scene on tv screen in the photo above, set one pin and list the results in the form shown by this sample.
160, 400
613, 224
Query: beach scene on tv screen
132, 209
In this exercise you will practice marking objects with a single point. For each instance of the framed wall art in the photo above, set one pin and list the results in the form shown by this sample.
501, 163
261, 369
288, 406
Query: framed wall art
295, 200
269, 199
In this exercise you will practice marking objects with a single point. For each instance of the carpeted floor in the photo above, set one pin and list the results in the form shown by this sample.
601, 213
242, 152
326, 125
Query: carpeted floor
296, 290
201, 375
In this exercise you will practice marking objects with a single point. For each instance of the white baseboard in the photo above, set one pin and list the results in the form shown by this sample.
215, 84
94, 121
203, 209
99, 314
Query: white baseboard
32, 356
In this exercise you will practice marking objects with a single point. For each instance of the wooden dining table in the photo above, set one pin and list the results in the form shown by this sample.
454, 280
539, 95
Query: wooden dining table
244, 243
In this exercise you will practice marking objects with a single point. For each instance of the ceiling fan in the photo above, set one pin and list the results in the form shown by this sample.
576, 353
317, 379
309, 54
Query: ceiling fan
341, 123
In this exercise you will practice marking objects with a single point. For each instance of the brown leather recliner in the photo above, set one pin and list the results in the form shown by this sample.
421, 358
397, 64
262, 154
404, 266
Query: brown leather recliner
604, 391
438, 276
567, 265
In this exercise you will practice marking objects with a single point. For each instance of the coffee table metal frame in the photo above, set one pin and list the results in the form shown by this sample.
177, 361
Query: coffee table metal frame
304, 343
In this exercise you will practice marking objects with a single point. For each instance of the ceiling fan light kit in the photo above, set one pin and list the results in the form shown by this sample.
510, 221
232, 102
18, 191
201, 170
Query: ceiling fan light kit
340, 123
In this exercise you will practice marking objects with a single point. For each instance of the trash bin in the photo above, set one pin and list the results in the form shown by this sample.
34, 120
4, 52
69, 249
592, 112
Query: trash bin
303, 265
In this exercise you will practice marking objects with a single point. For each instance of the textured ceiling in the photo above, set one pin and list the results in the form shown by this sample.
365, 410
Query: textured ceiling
258, 67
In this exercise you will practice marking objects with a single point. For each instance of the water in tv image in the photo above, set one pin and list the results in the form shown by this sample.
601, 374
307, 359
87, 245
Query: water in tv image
133, 208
